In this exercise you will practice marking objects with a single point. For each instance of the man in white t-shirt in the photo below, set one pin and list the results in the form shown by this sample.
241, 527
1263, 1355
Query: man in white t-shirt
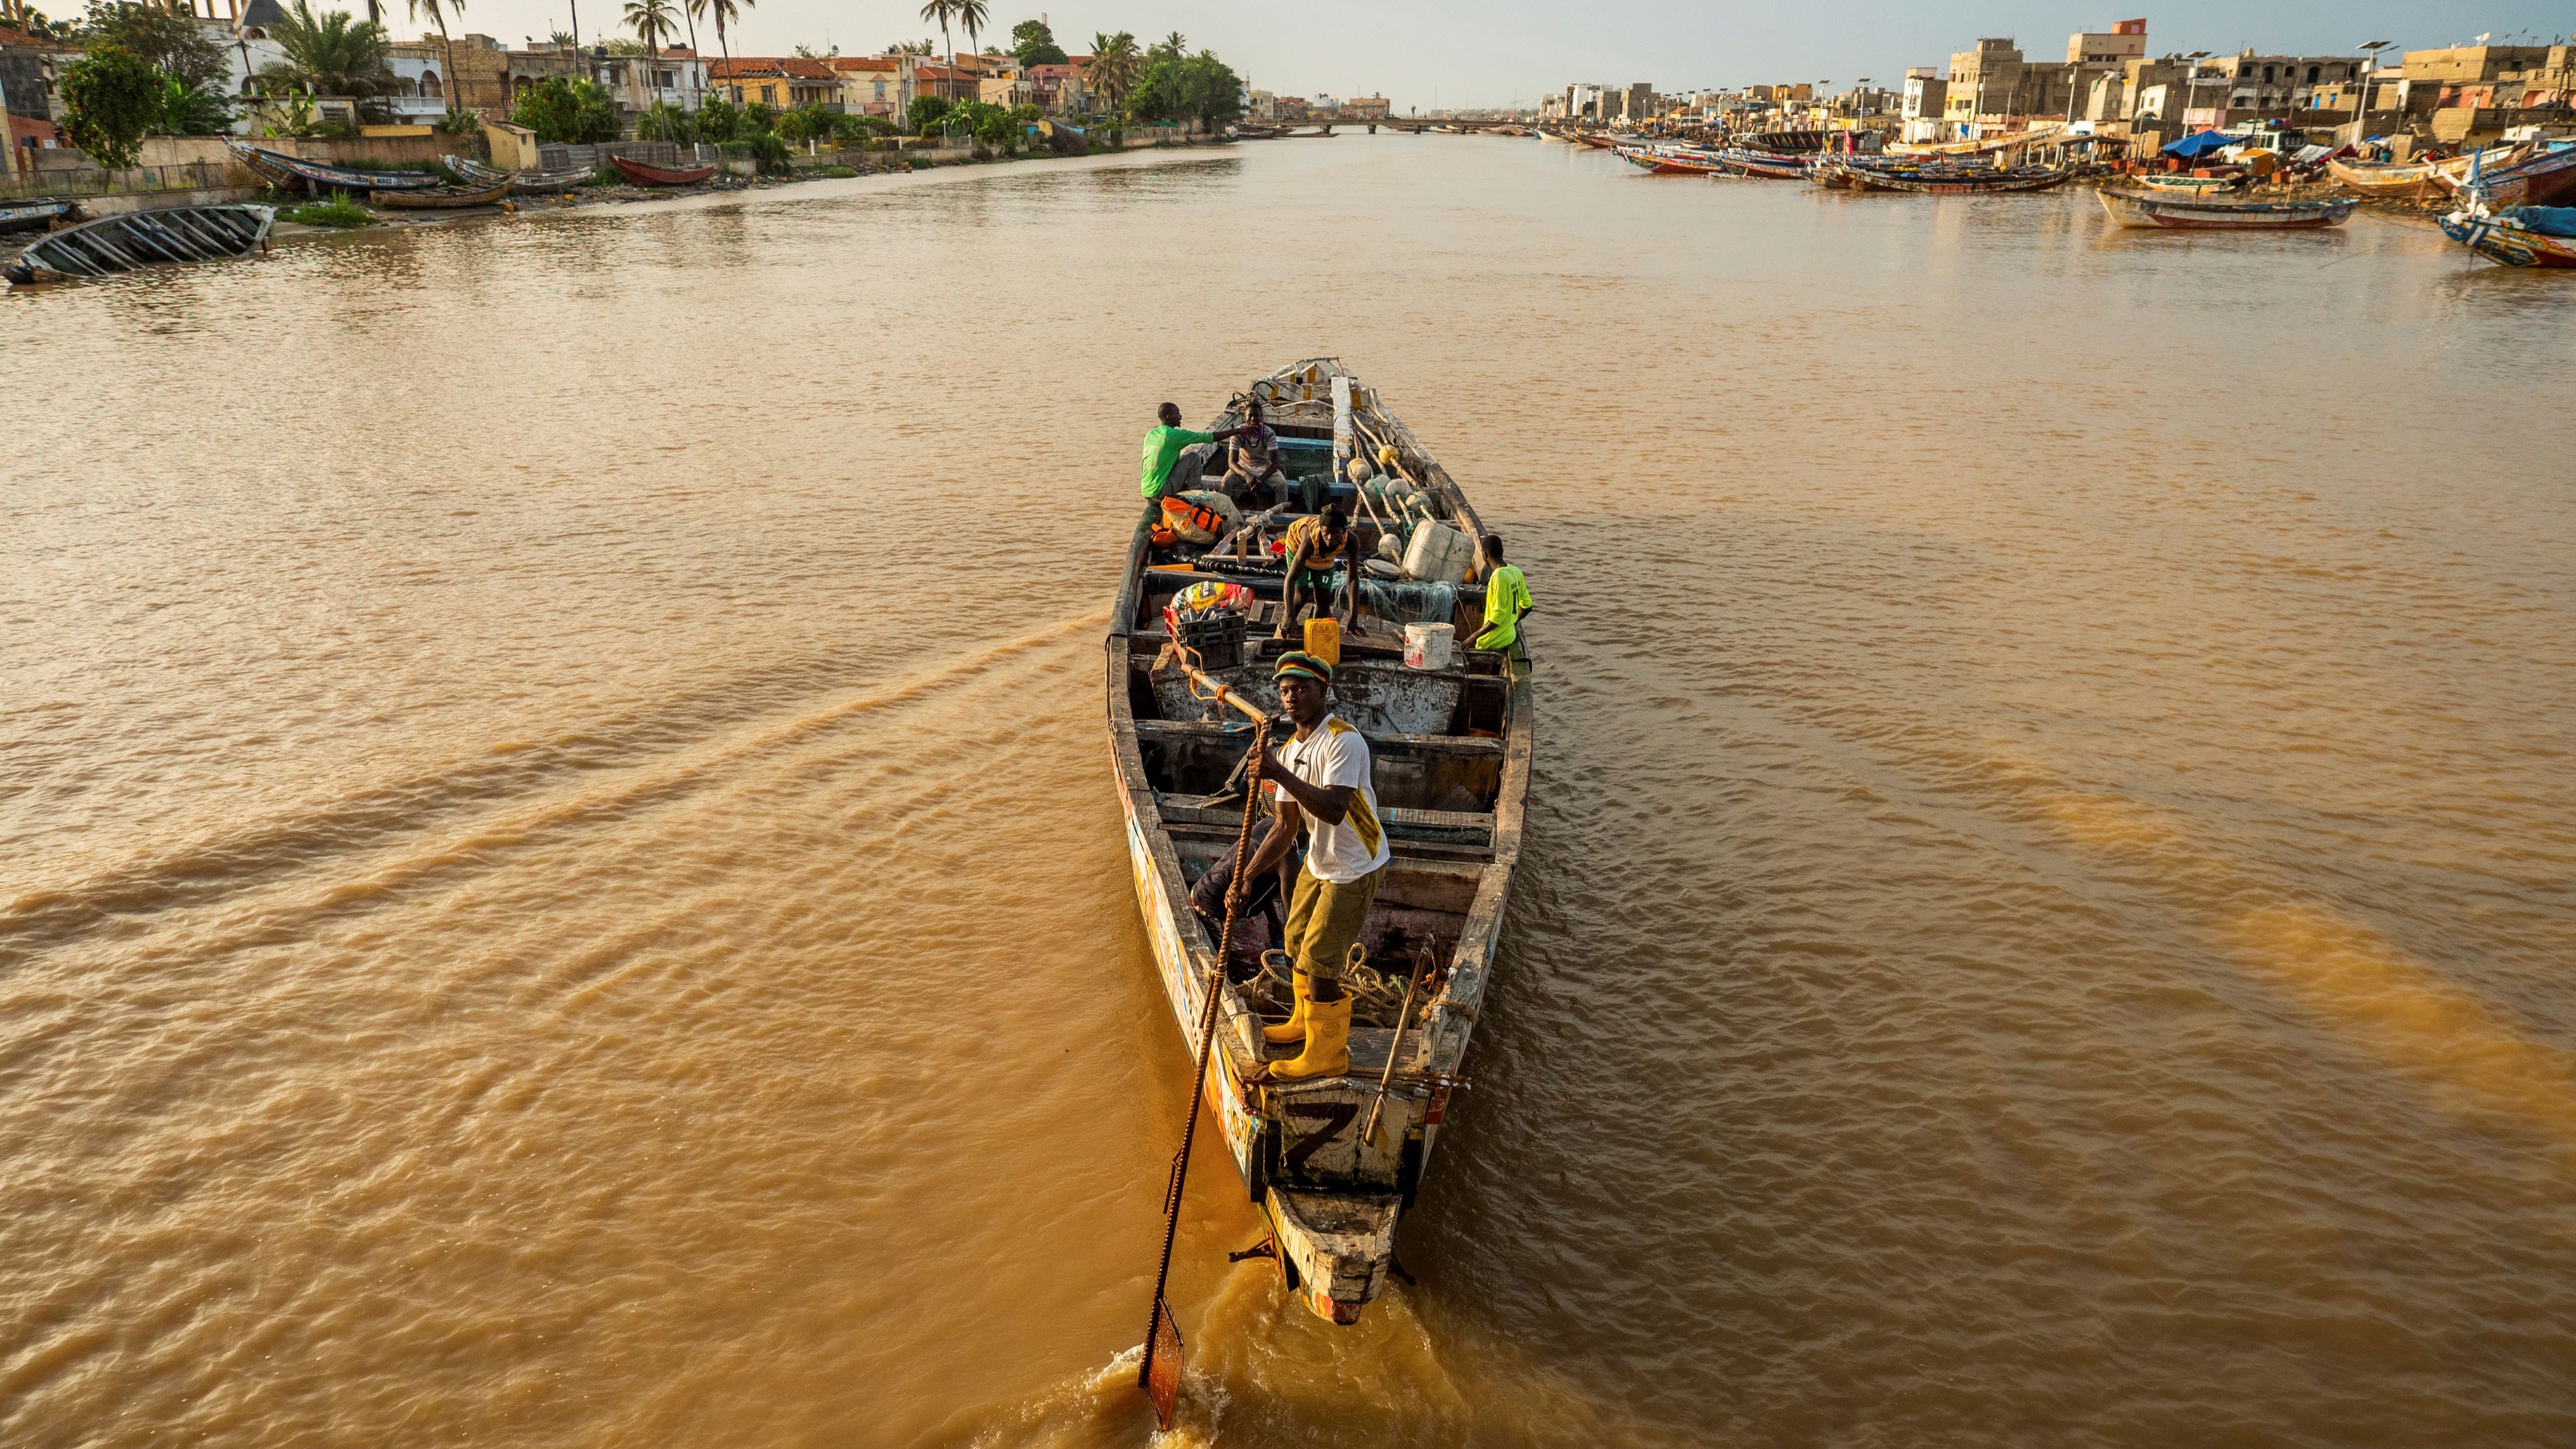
1323, 783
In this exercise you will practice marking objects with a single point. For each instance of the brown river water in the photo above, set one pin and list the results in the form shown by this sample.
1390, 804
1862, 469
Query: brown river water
560, 885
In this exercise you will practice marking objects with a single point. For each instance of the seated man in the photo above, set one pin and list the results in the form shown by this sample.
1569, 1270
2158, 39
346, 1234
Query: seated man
1325, 784
1256, 458
1163, 447
1507, 602
1316, 543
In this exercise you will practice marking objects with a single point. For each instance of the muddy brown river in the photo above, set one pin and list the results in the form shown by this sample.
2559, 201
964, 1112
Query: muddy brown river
560, 884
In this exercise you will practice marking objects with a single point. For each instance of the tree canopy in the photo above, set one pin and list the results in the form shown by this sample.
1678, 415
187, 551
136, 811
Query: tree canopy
1198, 88
1034, 44
166, 39
111, 99
333, 54
574, 112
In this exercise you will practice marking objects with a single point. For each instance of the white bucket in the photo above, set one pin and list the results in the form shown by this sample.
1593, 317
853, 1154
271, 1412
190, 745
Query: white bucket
1426, 646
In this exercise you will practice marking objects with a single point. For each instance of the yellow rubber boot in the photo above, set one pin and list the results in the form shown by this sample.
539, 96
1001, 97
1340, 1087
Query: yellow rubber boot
1328, 1044
1294, 1029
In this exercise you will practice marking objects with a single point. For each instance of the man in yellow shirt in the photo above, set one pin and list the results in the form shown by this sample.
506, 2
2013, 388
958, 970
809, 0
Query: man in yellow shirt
1507, 601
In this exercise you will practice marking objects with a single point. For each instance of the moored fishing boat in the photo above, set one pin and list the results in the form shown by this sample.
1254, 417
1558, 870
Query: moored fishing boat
1941, 180
531, 182
644, 173
1672, 160
1333, 1161
281, 170
2412, 181
2521, 236
1767, 165
133, 240
2151, 209
2185, 184
443, 198
2530, 176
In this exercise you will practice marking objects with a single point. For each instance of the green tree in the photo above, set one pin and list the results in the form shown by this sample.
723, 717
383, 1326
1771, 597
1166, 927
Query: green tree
972, 17
924, 114
111, 100
188, 110
1174, 46
808, 122
912, 47
663, 121
1034, 44
166, 38
652, 21
1200, 89
726, 13
1115, 67
329, 53
573, 112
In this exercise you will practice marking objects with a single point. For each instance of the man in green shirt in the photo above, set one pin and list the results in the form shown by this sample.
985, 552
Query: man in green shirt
1163, 447
1507, 601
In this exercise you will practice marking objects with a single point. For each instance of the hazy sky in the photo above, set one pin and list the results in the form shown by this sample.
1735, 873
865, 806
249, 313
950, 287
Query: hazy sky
1495, 52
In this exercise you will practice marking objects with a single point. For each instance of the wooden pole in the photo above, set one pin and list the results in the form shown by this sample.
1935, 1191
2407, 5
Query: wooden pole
1411, 988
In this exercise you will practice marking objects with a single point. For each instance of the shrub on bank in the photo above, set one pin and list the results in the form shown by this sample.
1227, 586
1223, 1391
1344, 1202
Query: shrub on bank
335, 210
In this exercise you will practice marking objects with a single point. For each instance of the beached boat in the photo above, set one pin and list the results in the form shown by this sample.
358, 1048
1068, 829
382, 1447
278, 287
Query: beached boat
444, 198
646, 174
2185, 184
132, 240
1451, 747
2051, 133
527, 182
2412, 181
281, 170
1767, 165
2522, 236
2152, 209
1941, 180
2532, 176
37, 215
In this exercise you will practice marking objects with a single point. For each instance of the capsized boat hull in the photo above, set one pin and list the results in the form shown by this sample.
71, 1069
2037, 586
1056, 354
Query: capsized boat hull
1451, 750
131, 241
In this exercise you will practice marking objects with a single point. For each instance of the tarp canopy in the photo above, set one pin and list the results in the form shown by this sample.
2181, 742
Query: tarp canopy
2546, 220
2202, 144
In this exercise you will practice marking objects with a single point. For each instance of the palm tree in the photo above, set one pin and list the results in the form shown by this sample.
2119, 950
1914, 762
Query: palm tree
328, 54
943, 11
971, 18
726, 13
438, 12
1114, 65
697, 64
652, 23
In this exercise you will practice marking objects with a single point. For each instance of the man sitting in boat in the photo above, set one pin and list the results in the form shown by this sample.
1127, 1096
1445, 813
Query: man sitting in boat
1163, 447
1324, 783
1507, 601
1256, 458
1315, 543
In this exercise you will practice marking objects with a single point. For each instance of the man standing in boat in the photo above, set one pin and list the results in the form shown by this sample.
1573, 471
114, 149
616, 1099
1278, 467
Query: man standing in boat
1324, 783
1314, 543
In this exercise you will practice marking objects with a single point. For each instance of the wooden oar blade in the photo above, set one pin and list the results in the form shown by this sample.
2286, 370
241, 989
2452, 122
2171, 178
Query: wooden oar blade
1160, 1377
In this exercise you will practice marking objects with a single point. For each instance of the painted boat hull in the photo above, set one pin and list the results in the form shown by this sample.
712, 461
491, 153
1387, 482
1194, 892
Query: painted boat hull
1962, 183
279, 169
36, 215
530, 182
2191, 185
1332, 1195
645, 174
131, 241
2534, 180
1672, 163
445, 198
2387, 183
2137, 209
2510, 246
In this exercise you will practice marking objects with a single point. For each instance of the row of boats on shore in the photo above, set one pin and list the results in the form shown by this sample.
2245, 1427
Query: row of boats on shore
2500, 217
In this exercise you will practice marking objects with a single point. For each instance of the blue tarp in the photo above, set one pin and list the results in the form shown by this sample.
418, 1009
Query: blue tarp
2546, 220
2202, 144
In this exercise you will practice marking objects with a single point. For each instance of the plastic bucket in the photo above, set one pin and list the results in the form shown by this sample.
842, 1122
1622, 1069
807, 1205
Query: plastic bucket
1426, 646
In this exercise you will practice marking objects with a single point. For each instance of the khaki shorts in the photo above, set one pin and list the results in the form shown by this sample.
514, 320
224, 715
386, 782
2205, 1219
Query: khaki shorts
1324, 919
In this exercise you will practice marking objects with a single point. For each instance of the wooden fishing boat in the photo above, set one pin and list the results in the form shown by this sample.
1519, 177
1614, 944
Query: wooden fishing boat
1593, 139
37, 215
1672, 160
444, 198
281, 170
644, 173
2052, 133
527, 182
1943, 180
135, 239
2408, 182
2533, 176
2185, 184
2150, 209
1767, 165
1451, 748
2514, 237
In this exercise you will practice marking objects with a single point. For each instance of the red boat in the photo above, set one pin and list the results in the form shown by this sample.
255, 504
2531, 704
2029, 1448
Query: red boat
646, 175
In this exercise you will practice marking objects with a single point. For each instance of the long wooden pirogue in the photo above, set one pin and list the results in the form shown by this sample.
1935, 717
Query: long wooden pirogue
1451, 747
130, 241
